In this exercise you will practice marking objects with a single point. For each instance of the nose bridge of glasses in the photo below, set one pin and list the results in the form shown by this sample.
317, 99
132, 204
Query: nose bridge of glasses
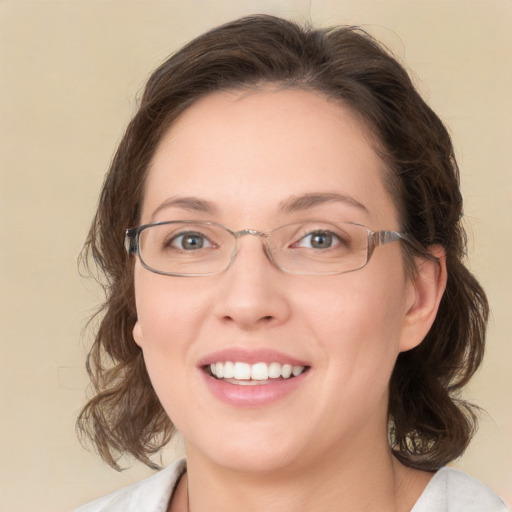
244, 232
258, 234
254, 232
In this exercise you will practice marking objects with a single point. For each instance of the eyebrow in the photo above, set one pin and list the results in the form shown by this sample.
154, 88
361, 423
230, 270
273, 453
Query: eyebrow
306, 201
192, 204
291, 205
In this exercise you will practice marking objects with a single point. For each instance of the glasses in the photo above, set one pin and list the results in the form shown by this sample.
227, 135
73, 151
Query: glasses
194, 248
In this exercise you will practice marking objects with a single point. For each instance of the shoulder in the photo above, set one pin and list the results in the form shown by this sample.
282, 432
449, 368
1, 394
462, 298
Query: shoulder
452, 490
149, 495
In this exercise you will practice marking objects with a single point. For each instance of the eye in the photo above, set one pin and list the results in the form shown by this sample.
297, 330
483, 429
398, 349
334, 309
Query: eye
319, 240
190, 241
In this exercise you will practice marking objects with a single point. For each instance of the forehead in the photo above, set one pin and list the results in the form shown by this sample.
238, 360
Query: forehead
245, 151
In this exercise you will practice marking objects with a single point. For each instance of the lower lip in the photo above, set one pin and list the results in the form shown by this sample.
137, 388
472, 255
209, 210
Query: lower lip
253, 395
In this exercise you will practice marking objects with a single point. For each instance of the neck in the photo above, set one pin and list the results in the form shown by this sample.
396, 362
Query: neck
366, 482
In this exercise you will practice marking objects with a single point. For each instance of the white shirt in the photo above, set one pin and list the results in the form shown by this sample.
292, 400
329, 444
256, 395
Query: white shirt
449, 490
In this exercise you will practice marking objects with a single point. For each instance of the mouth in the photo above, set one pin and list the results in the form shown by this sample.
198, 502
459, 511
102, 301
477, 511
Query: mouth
260, 373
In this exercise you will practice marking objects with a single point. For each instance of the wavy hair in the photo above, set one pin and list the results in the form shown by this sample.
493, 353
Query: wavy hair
429, 424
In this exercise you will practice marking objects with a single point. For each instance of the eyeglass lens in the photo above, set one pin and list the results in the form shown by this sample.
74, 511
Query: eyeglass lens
188, 248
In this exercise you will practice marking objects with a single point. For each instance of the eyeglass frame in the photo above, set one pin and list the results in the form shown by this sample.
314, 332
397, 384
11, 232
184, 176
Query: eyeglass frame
374, 239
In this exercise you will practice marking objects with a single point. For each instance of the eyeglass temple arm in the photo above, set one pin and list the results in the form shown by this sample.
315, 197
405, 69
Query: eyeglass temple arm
130, 240
386, 237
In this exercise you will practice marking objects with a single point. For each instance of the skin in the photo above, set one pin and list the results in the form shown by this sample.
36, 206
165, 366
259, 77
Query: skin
324, 446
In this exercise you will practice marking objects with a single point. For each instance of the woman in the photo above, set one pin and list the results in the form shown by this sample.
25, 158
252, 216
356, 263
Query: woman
281, 239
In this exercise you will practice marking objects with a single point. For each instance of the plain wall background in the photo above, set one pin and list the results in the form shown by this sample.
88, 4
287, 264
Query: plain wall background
69, 75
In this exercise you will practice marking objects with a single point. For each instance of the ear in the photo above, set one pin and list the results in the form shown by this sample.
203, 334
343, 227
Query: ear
137, 333
426, 288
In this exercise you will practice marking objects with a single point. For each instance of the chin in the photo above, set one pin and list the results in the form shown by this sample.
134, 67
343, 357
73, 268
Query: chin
252, 451
257, 462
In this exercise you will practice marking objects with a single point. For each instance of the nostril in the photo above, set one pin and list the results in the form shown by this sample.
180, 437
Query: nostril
263, 320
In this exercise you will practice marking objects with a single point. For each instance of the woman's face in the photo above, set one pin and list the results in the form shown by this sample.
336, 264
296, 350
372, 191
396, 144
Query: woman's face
245, 160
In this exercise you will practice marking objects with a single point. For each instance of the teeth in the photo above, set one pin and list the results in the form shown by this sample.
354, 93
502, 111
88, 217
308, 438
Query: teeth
286, 371
274, 370
297, 370
258, 371
242, 371
219, 370
229, 370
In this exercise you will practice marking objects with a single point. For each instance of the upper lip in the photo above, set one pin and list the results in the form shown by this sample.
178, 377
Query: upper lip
250, 356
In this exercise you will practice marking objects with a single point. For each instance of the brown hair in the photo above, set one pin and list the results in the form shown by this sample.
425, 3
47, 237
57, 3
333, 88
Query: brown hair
429, 424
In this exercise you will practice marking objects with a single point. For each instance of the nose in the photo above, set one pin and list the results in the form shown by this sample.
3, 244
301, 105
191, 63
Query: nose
251, 293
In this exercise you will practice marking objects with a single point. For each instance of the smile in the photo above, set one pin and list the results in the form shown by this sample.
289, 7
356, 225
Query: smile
245, 374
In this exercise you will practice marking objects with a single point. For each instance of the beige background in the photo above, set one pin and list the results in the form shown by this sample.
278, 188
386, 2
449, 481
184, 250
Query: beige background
70, 72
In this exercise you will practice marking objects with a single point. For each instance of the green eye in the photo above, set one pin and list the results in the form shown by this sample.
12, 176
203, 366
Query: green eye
319, 240
190, 241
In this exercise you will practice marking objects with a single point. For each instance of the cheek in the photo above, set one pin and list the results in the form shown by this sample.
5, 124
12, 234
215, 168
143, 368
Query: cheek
357, 328
359, 318
167, 307
169, 317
